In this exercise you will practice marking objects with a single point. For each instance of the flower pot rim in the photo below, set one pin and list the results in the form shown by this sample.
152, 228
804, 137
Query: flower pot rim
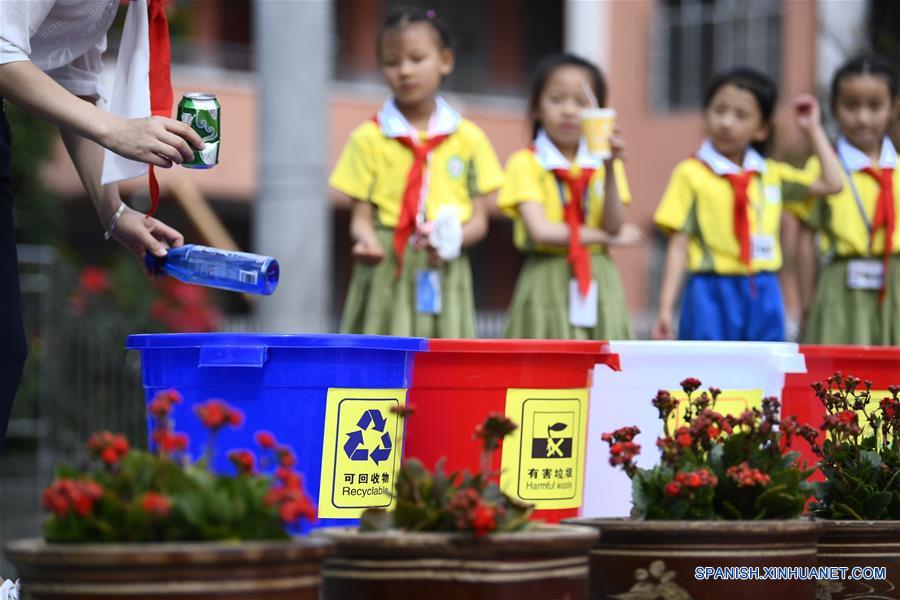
714, 527
528, 540
38, 550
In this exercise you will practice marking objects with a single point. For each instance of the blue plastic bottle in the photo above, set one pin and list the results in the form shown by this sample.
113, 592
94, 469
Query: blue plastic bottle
202, 265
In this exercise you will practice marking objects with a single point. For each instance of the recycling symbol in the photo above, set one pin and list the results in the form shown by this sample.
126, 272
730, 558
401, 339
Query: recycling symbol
355, 445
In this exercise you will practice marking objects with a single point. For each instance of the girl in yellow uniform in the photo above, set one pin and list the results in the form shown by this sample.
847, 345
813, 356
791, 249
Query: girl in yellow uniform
857, 299
722, 211
418, 174
567, 205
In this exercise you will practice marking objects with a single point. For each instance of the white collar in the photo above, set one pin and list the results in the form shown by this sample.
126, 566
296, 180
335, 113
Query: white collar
444, 120
855, 159
753, 160
551, 158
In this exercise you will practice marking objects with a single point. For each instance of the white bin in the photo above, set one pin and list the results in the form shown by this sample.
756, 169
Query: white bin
621, 398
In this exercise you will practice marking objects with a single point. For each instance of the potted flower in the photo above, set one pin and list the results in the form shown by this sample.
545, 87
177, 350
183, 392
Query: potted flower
131, 523
457, 536
725, 494
860, 496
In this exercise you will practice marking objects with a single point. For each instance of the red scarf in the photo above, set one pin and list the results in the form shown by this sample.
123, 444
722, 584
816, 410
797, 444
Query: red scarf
578, 255
412, 195
739, 184
885, 216
161, 96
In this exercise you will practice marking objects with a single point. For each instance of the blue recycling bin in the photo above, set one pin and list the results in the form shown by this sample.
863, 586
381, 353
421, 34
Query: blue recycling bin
327, 396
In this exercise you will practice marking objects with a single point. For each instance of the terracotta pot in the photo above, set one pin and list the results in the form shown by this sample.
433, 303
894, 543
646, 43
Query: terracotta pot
549, 562
174, 571
861, 544
645, 560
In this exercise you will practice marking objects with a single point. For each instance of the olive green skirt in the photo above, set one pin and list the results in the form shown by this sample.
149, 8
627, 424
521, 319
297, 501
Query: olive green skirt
840, 315
540, 304
379, 303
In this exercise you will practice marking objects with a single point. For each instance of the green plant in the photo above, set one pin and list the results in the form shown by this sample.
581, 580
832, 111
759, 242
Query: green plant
715, 466
427, 501
861, 462
128, 495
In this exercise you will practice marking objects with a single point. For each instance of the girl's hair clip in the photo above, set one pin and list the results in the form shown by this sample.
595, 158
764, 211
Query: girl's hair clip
431, 14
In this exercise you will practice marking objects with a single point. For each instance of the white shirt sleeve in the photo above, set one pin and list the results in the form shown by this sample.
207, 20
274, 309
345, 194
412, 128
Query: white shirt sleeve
81, 77
19, 19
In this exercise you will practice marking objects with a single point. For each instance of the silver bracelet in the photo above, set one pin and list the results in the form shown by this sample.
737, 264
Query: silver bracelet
111, 227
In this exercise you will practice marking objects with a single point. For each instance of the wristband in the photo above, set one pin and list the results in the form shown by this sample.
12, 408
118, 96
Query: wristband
111, 226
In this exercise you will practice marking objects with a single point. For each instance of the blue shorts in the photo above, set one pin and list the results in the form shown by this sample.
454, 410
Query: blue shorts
727, 307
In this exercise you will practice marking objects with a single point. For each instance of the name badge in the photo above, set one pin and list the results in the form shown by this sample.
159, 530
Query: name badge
762, 247
865, 274
582, 309
428, 292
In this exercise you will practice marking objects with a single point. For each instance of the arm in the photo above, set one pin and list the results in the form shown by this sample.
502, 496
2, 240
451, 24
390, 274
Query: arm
133, 230
474, 230
366, 247
545, 233
676, 256
613, 210
154, 140
808, 119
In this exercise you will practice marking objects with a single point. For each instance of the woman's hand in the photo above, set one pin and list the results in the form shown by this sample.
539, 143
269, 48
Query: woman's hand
141, 234
155, 140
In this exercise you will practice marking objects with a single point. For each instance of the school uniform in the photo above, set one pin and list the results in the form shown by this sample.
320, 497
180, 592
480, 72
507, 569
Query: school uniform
732, 217
378, 165
551, 276
857, 299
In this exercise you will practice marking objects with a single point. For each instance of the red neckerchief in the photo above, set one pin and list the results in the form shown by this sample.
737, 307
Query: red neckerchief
885, 216
740, 182
161, 96
578, 255
412, 194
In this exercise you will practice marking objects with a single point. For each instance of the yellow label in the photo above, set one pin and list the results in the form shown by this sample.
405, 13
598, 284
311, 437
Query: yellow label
543, 460
730, 402
361, 451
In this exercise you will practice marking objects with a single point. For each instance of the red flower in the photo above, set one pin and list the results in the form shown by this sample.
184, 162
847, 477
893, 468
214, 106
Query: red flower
156, 505
746, 476
215, 414
94, 280
484, 519
683, 437
66, 496
171, 442
672, 488
691, 384
286, 457
266, 440
109, 447
243, 460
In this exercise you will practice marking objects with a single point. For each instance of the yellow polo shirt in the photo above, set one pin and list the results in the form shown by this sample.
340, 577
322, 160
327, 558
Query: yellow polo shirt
528, 181
373, 168
839, 219
700, 203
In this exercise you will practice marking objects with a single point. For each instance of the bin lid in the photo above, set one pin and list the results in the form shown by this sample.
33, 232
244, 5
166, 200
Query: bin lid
855, 352
600, 349
783, 356
244, 340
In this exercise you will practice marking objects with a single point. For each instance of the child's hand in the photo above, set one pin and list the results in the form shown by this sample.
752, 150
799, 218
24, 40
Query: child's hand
368, 252
806, 110
616, 144
629, 235
662, 329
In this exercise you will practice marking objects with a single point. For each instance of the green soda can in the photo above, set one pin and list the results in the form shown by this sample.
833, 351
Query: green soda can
202, 112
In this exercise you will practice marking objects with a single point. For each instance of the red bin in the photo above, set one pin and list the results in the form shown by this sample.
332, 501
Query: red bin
879, 364
457, 383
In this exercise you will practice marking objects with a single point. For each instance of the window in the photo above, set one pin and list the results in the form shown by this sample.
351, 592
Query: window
694, 39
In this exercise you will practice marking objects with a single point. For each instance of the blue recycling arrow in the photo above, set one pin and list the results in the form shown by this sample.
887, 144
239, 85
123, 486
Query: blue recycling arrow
354, 446
380, 454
